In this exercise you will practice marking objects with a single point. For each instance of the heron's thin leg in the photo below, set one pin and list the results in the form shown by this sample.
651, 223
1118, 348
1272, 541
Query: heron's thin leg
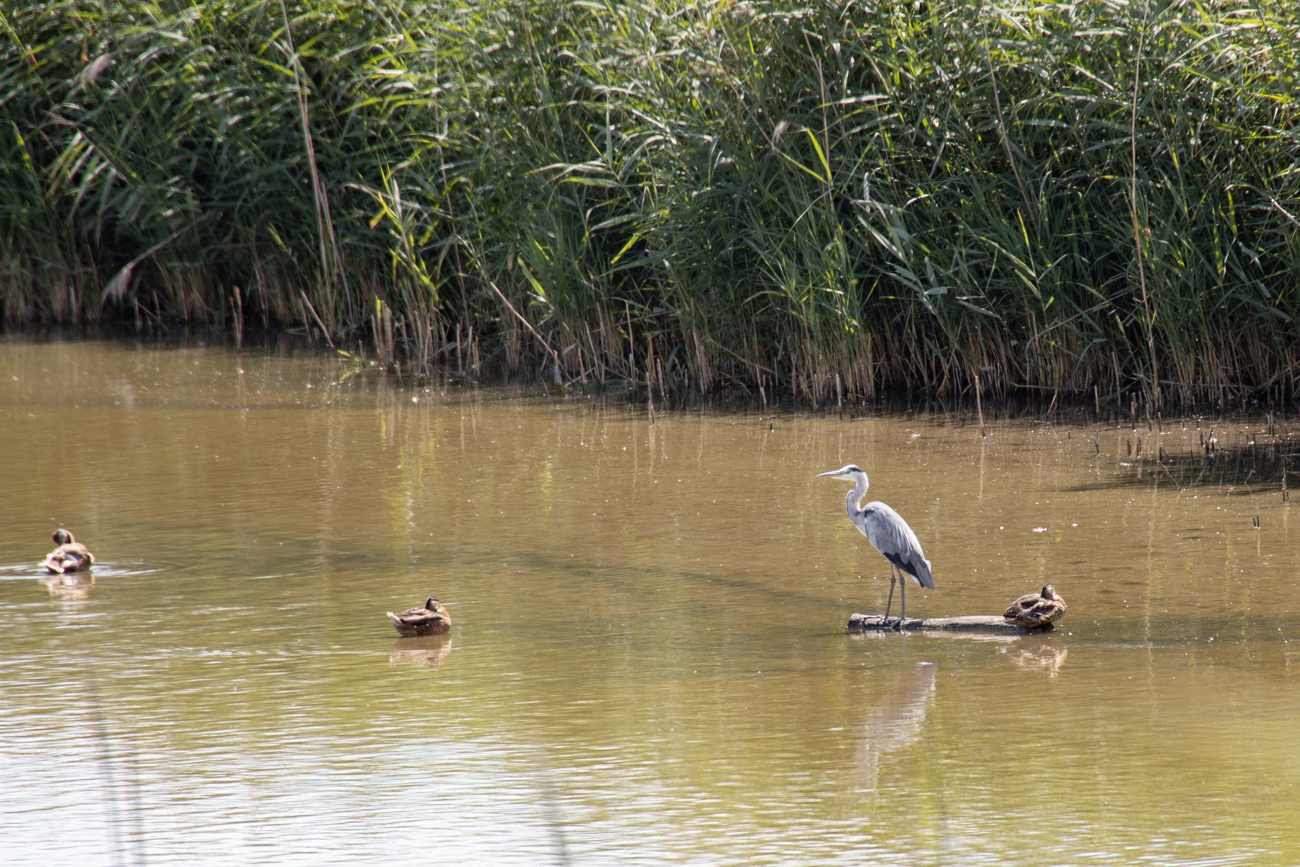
902, 584
890, 602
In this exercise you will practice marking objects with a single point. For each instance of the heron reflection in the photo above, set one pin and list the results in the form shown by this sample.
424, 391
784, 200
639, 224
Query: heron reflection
897, 718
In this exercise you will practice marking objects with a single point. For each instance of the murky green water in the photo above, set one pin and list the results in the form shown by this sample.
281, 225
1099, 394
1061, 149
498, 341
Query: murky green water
648, 662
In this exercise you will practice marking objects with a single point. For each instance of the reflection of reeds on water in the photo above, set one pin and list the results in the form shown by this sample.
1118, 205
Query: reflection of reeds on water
1254, 451
1245, 457
430, 650
70, 586
1047, 656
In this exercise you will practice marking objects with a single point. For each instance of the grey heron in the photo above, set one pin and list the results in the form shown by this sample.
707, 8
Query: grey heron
888, 533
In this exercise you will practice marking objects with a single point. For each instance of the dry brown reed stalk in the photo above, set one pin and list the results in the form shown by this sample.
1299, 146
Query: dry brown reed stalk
307, 305
331, 265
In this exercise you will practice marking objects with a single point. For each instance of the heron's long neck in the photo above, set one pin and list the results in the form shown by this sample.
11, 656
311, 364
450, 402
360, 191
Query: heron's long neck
853, 501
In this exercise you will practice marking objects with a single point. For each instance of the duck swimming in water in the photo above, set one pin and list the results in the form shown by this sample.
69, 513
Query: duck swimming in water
70, 556
1036, 610
432, 619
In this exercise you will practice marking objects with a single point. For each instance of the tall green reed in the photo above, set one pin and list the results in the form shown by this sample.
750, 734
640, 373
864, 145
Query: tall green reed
820, 200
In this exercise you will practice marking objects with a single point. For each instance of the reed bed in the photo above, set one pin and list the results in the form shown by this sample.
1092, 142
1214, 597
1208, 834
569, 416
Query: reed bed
831, 202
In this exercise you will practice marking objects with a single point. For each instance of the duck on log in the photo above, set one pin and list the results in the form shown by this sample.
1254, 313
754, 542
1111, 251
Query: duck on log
1035, 610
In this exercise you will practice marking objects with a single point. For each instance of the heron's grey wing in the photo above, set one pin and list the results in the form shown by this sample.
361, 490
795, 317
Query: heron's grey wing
889, 534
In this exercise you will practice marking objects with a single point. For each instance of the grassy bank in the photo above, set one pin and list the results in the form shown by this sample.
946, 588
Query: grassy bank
812, 200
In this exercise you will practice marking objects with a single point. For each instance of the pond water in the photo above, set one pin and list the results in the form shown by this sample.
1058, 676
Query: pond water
648, 661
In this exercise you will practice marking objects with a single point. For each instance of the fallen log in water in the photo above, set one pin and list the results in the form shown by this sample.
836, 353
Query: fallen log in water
969, 623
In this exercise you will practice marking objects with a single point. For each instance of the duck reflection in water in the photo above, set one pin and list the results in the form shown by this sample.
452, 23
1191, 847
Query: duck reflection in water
69, 586
1047, 656
430, 650
898, 717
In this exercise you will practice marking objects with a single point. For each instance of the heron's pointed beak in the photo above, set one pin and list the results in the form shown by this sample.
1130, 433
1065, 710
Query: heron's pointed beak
831, 473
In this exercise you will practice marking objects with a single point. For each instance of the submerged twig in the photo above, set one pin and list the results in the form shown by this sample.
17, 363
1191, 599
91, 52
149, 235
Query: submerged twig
1170, 475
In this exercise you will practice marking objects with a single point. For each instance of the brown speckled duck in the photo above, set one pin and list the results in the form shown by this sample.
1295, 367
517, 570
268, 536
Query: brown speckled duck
1036, 610
432, 619
70, 556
